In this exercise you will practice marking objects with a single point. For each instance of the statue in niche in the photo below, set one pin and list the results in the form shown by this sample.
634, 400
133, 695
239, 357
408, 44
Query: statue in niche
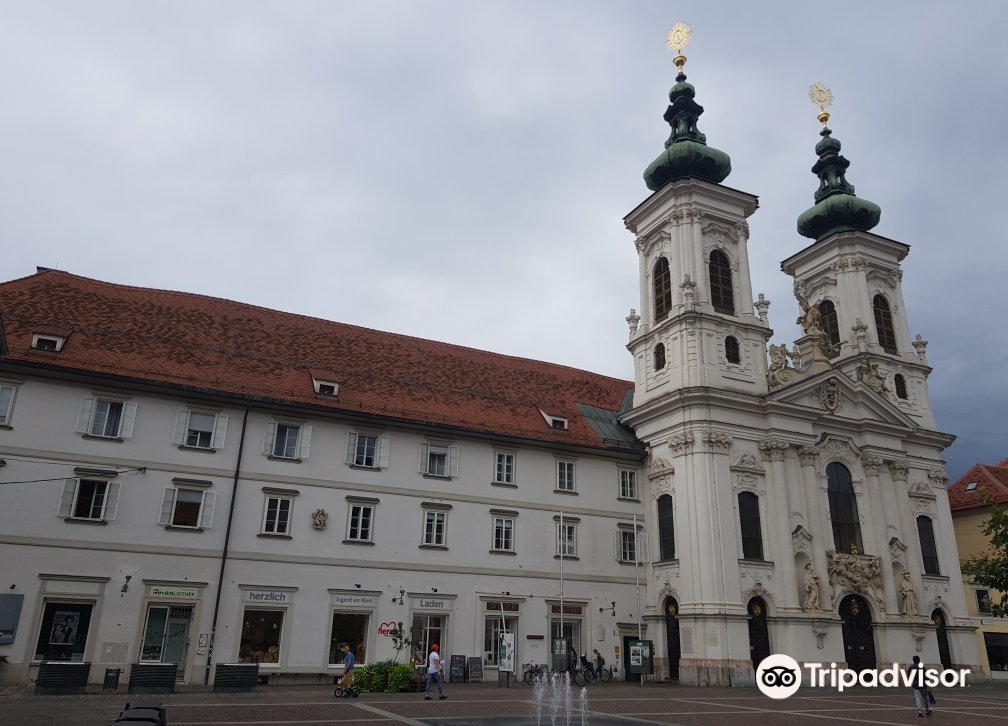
869, 374
908, 596
811, 586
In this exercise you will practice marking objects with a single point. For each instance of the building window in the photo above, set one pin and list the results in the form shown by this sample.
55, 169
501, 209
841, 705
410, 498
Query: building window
828, 321
503, 534
884, 324
350, 629
359, 522
731, 350
439, 461
108, 419
200, 430
6, 403
627, 484
901, 388
427, 630
565, 476
434, 528
659, 356
972, 486
722, 295
94, 499
630, 546
495, 628
370, 451
504, 468
566, 539
929, 551
662, 290
191, 508
287, 441
64, 631
666, 527
261, 636
843, 509
983, 601
276, 515
749, 521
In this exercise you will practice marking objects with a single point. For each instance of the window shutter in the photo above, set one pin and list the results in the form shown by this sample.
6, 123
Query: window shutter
167, 506
642, 547
207, 510
111, 500
617, 542
383, 447
66, 501
269, 436
219, 431
453, 461
304, 442
84, 417
424, 454
128, 417
351, 447
181, 426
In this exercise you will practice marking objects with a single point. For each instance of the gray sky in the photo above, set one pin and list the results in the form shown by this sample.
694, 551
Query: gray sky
460, 170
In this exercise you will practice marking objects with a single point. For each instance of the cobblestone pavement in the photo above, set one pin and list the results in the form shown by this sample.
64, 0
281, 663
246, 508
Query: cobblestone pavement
487, 705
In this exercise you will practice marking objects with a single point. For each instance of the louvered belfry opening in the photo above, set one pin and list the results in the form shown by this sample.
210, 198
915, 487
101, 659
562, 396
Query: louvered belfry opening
901, 387
731, 350
662, 290
722, 297
828, 320
884, 324
659, 356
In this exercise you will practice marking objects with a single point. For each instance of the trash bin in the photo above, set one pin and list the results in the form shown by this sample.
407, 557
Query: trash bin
111, 683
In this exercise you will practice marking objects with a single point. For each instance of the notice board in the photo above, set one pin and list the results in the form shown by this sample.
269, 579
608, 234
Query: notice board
456, 673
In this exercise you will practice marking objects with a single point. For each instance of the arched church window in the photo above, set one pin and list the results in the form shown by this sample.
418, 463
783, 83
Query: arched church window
843, 508
666, 527
900, 383
929, 551
662, 290
659, 356
884, 324
722, 295
731, 350
749, 521
828, 321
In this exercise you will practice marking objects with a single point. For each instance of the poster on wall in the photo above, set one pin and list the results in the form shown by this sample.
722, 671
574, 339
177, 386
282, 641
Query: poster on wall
64, 629
506, 656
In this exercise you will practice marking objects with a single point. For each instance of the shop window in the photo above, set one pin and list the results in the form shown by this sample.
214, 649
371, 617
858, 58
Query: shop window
166, 634
350, 629
427, 630
64, 631
261, 636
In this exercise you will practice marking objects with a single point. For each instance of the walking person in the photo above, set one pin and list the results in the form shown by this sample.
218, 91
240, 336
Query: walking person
920, 691
434, 667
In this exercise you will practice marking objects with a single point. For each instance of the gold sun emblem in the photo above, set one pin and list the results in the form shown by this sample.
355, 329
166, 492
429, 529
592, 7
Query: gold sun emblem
821, 96
677, 37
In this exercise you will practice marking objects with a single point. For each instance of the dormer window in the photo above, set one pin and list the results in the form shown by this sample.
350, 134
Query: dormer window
555, 422
48, 342
326, 388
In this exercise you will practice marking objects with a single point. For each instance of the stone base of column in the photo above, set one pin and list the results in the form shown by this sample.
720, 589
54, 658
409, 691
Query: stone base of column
716, 672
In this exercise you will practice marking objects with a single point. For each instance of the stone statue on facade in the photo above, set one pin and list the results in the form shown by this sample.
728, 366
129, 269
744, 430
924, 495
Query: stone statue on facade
811, 587
869, 374
908, 596
780, 372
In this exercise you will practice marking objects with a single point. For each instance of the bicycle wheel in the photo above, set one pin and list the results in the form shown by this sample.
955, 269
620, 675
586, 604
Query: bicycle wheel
577, 678
338, 692
605, 675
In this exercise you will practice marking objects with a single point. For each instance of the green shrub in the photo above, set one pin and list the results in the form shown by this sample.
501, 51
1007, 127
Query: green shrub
383, 677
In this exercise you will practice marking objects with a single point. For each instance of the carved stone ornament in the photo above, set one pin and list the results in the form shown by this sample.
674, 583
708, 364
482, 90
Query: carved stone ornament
749, 462
747, 483
801, 541
830, 395
920, 490
762, 306
757, 590
922, 506
939, 478
810, 588
661, 467
742, 229
633, 320
716, 440
897, 551
667, 590
781, 371
856, 573
907, 596
681, 443
871, 464
899, 470
918, 637
868, 373
808, 455
937, 604
660, 486
820, 636
319, 519
773, 449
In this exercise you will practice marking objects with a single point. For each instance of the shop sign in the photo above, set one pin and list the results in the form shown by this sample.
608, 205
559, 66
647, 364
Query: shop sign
426, 603
387, 628
567, 610
348, 600
508, 607
266, 596
169, 592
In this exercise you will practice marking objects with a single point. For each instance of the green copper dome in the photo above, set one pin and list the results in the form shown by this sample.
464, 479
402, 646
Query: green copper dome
686, 152
837, 209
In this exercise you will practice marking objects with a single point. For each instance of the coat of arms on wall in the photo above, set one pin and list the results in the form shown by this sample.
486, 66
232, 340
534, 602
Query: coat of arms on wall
319, 519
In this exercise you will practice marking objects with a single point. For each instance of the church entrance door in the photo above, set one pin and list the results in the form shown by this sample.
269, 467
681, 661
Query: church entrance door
859, 642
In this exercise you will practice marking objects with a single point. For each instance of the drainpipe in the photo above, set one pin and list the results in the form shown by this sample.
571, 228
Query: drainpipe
224, 554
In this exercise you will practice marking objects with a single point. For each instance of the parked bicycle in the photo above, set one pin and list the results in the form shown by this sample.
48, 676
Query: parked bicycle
533, 673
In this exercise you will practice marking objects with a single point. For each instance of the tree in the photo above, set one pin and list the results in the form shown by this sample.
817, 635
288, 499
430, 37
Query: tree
400, 639
991, 569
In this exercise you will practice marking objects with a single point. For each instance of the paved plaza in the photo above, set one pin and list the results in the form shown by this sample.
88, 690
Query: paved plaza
487, 705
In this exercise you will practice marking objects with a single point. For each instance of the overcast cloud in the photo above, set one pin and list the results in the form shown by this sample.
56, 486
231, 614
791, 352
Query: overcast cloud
460, 170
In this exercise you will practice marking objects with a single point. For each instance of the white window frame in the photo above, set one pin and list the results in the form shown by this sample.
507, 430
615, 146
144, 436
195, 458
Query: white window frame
6, 409
71, 495
302, 445
204, 519
379, 457
451, 458
91, 410
360, 507
566, 482
280, 499
630, 547
562, 540
628, 485
502, 533
504, 471
218, 429
56, 342
330, 389
437, 514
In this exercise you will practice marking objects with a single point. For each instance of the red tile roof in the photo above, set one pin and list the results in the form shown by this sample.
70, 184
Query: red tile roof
992, 487
232, 348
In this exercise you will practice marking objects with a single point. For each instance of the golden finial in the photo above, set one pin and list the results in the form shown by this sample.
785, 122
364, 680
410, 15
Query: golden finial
822, 97
675, 40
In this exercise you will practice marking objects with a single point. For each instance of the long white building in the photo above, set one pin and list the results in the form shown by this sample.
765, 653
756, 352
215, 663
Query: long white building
198, 481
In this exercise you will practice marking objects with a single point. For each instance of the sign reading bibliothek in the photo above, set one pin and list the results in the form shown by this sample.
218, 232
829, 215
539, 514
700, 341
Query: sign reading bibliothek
475, 669
456, 673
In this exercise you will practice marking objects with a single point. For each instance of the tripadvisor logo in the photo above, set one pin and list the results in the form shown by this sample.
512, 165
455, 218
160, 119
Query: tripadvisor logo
780, 676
